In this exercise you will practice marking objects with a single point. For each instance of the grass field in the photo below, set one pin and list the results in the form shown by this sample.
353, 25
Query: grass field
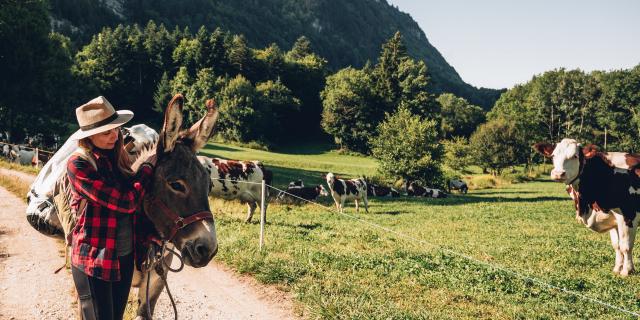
339, 267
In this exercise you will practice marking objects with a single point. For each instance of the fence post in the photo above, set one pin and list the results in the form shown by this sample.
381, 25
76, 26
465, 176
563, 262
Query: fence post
263, 215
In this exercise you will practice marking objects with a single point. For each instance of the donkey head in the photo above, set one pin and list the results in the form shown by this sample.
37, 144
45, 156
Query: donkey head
181, 185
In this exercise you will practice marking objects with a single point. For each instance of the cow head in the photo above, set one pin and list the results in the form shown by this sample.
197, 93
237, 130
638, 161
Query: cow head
322, 191
331, 178
566, 156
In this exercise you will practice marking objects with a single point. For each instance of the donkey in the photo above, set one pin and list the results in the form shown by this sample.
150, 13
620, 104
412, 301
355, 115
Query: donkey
176, 201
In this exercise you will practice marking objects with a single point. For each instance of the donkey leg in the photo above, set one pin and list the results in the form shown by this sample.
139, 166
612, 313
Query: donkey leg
156, 285
615, 243
251, 208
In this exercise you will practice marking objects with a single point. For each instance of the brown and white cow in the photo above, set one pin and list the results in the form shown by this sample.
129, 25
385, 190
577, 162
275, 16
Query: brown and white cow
237, 180
606, 197
342, 190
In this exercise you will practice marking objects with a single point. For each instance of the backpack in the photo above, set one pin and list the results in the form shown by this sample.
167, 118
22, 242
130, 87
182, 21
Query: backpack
51, 212
48, 199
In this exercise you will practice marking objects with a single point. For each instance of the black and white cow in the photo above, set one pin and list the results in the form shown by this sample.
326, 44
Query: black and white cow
307, 193
296, 184
374, 190
606, 198
457, 184
416, 190
237, 180
342, 190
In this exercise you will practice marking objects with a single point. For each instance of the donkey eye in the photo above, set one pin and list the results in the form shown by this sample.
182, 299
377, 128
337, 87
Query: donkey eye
177, 186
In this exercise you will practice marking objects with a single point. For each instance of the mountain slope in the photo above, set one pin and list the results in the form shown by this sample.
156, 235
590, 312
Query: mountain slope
344, 32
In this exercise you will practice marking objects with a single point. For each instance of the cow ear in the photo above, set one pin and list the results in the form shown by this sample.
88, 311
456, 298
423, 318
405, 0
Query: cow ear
172, 123
545, 149
590, 151
201, 131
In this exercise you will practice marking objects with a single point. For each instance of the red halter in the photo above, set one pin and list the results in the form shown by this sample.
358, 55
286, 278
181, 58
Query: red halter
178, 221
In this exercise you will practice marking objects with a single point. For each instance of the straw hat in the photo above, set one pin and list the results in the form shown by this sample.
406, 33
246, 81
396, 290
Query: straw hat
98, 115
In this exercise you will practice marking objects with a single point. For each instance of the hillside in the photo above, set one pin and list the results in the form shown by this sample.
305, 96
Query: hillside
344, 32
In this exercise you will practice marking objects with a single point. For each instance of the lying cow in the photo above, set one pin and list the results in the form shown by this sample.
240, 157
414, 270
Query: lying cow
296, 184
606, 198
374, 190
457, 184
237, 180
306, 193
416, 190
342, 190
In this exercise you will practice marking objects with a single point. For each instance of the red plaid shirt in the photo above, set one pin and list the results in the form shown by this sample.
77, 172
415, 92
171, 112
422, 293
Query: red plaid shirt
94, 236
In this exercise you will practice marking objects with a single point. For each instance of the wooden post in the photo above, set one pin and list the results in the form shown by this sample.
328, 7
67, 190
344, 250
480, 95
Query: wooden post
263, 215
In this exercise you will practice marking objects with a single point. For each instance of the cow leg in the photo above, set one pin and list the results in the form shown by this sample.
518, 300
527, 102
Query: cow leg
366, 203
251, 208
627, 236
615, 243
342, 204
156, 285
357, 206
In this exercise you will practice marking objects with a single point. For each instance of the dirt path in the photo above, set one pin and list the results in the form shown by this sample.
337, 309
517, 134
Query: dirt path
212, 292
28, 287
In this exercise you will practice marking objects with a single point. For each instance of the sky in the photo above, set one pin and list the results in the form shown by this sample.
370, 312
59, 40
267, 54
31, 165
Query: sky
500, 43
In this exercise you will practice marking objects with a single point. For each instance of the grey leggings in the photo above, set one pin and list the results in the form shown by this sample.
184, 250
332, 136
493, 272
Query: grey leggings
104, 300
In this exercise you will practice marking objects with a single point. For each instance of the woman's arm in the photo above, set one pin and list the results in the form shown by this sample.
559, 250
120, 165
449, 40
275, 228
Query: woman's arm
110, 194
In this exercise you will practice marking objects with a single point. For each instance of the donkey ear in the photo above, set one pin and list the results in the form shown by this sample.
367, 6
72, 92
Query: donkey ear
545, 149
201, 131
590, 151
172, 123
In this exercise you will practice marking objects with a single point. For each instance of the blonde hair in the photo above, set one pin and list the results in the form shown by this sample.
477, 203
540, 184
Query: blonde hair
121, 156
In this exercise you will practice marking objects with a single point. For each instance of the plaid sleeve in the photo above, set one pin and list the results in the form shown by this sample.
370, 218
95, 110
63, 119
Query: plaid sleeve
105, 192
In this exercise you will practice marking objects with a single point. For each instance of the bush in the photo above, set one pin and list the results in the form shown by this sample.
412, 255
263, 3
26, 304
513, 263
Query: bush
407, 147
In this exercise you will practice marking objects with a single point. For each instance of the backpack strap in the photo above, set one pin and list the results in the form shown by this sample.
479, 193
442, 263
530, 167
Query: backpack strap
84, 154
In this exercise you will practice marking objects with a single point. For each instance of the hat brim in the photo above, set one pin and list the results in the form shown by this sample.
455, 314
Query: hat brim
123, 117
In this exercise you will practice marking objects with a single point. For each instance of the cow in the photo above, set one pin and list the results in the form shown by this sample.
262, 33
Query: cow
306, 193
457, 184
374, 190
238, 180
296, 184
416, 190
23, 157
606, 197
342, 190
138, 137
6, 149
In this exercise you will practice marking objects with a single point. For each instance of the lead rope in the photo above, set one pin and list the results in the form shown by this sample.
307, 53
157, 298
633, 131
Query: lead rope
153, 257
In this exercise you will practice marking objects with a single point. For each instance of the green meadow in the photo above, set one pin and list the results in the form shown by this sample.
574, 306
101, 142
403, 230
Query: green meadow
450, 258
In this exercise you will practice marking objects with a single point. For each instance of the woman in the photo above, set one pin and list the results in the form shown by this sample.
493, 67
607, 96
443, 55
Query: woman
105, 197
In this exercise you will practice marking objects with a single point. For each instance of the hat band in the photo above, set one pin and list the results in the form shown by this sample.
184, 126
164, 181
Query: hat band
100, 123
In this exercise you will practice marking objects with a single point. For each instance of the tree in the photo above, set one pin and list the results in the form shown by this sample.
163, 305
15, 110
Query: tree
408, 147
498, 144
350, 114
458, 154
239, 120
386, 72
459, 118
36, 84
163, 94
280, 108
300, 49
